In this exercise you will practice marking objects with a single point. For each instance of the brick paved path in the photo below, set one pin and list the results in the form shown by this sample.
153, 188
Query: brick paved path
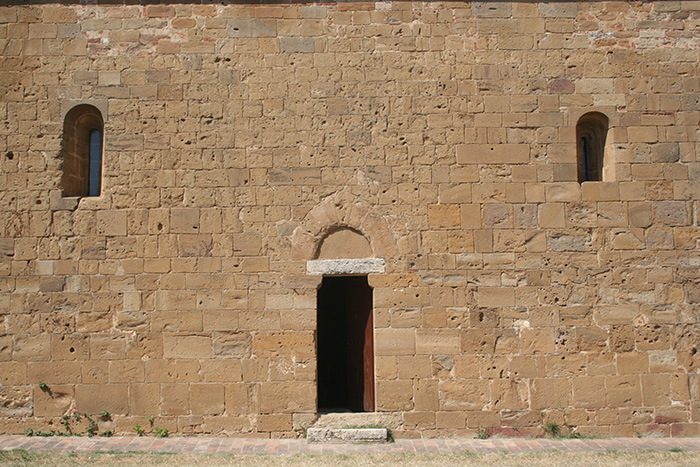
201, 445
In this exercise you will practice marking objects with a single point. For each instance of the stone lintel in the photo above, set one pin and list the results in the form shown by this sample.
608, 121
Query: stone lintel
346, 266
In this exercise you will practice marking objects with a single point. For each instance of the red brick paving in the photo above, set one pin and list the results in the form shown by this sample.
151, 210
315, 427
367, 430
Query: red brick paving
251, 446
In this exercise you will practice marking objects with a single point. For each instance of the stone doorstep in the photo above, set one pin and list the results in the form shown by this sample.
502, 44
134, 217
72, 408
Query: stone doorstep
346, 435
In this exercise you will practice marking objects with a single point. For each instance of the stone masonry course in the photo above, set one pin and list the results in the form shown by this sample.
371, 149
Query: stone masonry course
246, 151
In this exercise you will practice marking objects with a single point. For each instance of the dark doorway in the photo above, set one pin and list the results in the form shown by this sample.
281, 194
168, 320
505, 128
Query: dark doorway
345, 345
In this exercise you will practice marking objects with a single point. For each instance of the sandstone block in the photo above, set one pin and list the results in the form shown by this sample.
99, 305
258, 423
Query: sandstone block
671, 212
107, 346
221, 371
587, 392
287, 397
16, 402
232, 344
94, 398
623, 391
207, 399
144, 399
55, 401
13, 374
175, 399
272, 423
600, 191
227, 425
278, 344
665, 152
126, 371
184, 220
297, 44
32, 348
394, 395
187, 346
591, 338
237, 398
551, 215
632, 363
509, 393
493, 154
444, 216
463, 395
562, 192
395, 342
496, 296
438, 341
655, 390
537, 341
550, 393
425, 395
627, 239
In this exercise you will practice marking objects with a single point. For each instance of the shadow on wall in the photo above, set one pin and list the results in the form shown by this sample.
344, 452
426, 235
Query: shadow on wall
344, 243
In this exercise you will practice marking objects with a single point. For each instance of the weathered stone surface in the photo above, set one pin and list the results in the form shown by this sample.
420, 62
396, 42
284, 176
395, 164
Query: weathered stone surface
232, 344
435, 150
16, 402
346, 435
346, 266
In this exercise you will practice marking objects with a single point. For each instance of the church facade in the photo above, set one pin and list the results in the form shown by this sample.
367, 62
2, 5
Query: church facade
447, 218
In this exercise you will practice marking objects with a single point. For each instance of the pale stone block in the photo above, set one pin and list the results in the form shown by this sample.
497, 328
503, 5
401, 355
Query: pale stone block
496, 296
600, 191
187, 346
551, 215
394, 395
562, 192
671, 212
184, 220
346, 266
461, 395
436, 341
284, 343
346, 435
395, 342
627, 239
297, 44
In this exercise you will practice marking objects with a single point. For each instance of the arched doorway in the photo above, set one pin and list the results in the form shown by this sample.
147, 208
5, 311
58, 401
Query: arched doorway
345, 345
345, 326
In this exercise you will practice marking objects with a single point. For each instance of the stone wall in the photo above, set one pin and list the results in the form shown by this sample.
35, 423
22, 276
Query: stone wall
237, 136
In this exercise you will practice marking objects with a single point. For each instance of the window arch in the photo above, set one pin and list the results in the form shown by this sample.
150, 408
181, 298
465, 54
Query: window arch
591, 132
83, 135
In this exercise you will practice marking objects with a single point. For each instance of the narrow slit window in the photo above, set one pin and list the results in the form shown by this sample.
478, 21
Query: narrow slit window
81, 151
591, 132
585, 154
95, 163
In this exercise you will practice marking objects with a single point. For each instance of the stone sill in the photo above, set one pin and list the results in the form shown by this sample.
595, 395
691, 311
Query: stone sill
346, 435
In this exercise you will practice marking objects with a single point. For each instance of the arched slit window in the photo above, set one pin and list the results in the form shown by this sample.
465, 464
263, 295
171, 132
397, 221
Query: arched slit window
591, 132
83, 132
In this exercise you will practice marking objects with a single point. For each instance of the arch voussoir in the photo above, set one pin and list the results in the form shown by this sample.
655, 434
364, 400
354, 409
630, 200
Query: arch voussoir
338, 211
